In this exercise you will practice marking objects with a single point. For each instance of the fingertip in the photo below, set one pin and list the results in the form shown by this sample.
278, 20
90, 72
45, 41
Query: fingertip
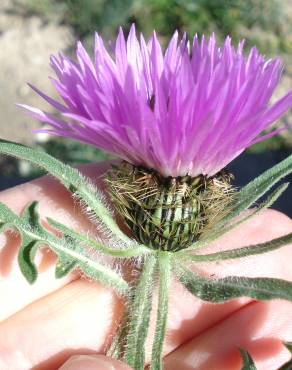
96, 362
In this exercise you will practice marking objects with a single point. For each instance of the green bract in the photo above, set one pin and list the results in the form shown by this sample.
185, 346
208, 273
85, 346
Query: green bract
157, 267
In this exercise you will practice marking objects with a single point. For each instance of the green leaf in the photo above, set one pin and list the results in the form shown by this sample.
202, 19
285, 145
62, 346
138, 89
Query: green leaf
240, 252
139, 315
64, 266
85, 240
26, 256
31, 217
164, 260
248, 363
231, 287
70, 254
70, 178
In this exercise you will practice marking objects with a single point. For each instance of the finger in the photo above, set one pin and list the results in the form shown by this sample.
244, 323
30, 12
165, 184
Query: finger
266, 226
258, 328
55, 202
83, 316
79, 318
84, 321
97, 362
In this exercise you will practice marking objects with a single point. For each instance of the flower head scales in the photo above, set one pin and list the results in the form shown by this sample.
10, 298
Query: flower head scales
188, 111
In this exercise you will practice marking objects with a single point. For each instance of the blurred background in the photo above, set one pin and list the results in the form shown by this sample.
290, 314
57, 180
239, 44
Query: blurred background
32, 30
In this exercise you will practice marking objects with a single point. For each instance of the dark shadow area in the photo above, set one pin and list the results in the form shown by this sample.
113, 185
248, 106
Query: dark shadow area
6, 182
248, 166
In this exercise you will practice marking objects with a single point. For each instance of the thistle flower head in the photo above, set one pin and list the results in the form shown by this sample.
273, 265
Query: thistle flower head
187, 111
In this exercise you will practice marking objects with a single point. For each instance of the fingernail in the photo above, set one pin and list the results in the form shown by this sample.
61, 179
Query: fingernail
97, 362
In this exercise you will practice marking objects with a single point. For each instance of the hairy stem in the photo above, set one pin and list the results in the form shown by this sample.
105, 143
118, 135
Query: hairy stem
139, 314
164, 259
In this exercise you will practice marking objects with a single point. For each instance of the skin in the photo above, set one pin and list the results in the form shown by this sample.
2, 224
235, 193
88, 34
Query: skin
42, 326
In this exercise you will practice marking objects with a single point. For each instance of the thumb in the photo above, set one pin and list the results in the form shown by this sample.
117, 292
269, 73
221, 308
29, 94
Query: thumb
94, 362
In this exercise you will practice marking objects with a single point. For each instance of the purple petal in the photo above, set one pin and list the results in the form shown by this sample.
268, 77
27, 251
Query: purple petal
179, 112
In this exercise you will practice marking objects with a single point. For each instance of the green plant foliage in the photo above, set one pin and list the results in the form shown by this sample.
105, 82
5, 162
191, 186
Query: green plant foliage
236, 17
139, 315
248, 363
69, 177
114, 252
241, 252
165, 266
222, 290
70, 254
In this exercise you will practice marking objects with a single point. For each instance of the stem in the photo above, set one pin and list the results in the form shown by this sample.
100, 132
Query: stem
164, 259
139, 314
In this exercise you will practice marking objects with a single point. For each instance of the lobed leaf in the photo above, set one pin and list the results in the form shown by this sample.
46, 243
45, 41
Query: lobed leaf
231, 287
26, 256
65, 265
70, 255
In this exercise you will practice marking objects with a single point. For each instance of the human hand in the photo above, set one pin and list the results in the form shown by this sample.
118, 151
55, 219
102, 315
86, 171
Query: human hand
44, 324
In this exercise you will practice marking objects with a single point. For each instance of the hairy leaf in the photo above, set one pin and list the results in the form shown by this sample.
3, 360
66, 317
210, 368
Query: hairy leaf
240, 252
231, 287
85, 240
70, 254
64, 265
70, 178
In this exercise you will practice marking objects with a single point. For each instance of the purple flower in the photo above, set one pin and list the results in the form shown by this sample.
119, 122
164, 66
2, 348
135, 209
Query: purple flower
190, 110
